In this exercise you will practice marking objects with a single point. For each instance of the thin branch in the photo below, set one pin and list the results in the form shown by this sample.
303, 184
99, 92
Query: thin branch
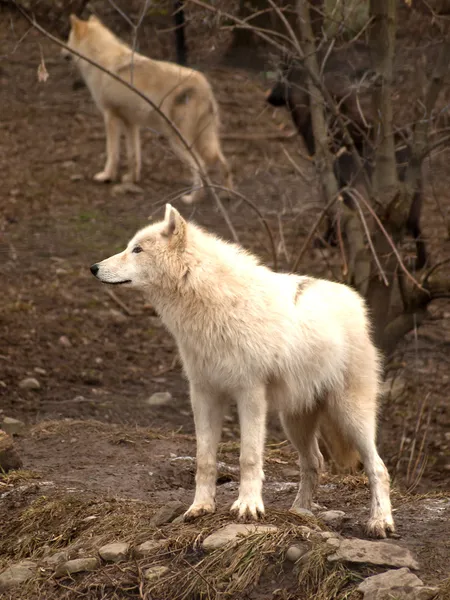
368, 237
313, 230
261, 218
389, 239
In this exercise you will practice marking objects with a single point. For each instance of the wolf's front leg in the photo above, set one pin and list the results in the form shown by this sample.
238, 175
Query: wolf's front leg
208, 416
113, 127
252, 407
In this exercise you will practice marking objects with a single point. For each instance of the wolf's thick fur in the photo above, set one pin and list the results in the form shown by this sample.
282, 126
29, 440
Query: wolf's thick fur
297, 345
184, 95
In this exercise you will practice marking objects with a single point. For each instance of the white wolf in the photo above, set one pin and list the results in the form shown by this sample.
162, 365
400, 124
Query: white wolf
183, 94
298, 345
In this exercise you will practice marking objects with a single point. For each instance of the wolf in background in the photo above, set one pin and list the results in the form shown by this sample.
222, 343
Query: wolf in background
183, 94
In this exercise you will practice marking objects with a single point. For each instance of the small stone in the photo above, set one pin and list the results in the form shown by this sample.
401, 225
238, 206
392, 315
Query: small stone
391, 578
17, 574
54, 560
232, 533
126, 188
13, 426
76, 177
167, 513
154, 573
295, 552
375, 553
148, 548
328, 535
333, 518
40, 371
30, 383
159, 399
117, 316
64, 341
9, 458
114, 552
77, 565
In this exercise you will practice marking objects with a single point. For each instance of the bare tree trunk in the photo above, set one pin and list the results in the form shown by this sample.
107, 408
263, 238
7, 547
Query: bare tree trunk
391, 201
358, 263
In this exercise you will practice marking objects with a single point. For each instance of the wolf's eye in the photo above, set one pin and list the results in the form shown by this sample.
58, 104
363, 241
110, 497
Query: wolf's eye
136, 250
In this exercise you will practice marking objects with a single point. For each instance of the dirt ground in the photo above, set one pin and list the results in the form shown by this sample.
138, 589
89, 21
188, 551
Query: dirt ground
99, 356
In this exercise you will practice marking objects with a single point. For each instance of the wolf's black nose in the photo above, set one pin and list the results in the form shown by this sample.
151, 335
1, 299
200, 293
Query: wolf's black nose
94, 269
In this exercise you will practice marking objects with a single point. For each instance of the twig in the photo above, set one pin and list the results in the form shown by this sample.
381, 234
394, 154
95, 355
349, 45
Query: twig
389, 240
262, 136
260, 215
296, 167
123, 306
341, 244
313, 230
167, 369
368, 236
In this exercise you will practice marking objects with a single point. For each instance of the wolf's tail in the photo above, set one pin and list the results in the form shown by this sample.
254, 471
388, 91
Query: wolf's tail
336, 448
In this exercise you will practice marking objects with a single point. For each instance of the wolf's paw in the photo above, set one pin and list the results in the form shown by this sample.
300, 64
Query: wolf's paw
103, 177
199, 510
130, 178
248, 508
380, 528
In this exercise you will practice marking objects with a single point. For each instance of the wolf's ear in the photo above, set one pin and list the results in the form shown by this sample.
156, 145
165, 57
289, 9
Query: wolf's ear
78, 25
94, 19
174, 225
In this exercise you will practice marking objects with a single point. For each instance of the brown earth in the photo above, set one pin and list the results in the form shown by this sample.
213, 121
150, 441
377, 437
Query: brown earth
98, 357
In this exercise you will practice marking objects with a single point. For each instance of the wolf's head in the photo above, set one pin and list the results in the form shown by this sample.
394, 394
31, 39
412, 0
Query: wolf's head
153, 259
80, 32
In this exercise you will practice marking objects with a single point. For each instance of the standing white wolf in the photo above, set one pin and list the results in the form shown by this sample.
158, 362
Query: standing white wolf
183, 94
298, 345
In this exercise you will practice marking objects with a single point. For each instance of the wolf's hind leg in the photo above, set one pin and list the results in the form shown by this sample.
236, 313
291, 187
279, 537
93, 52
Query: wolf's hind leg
301, 429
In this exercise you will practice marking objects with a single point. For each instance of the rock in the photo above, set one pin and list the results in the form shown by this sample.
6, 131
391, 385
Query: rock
30, 383
54, 560
402, 593
392, 578
17, 574
114, 552
167, 513
9, 458
303, 512
333, 518
159, 399
64, 341
232, 532
13, 426
154, 573
375, 553
40, 371
77, 565
126, 188
297, 551
148, 548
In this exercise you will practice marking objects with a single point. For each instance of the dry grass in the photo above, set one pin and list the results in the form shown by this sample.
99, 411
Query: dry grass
80, 525
322, 580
